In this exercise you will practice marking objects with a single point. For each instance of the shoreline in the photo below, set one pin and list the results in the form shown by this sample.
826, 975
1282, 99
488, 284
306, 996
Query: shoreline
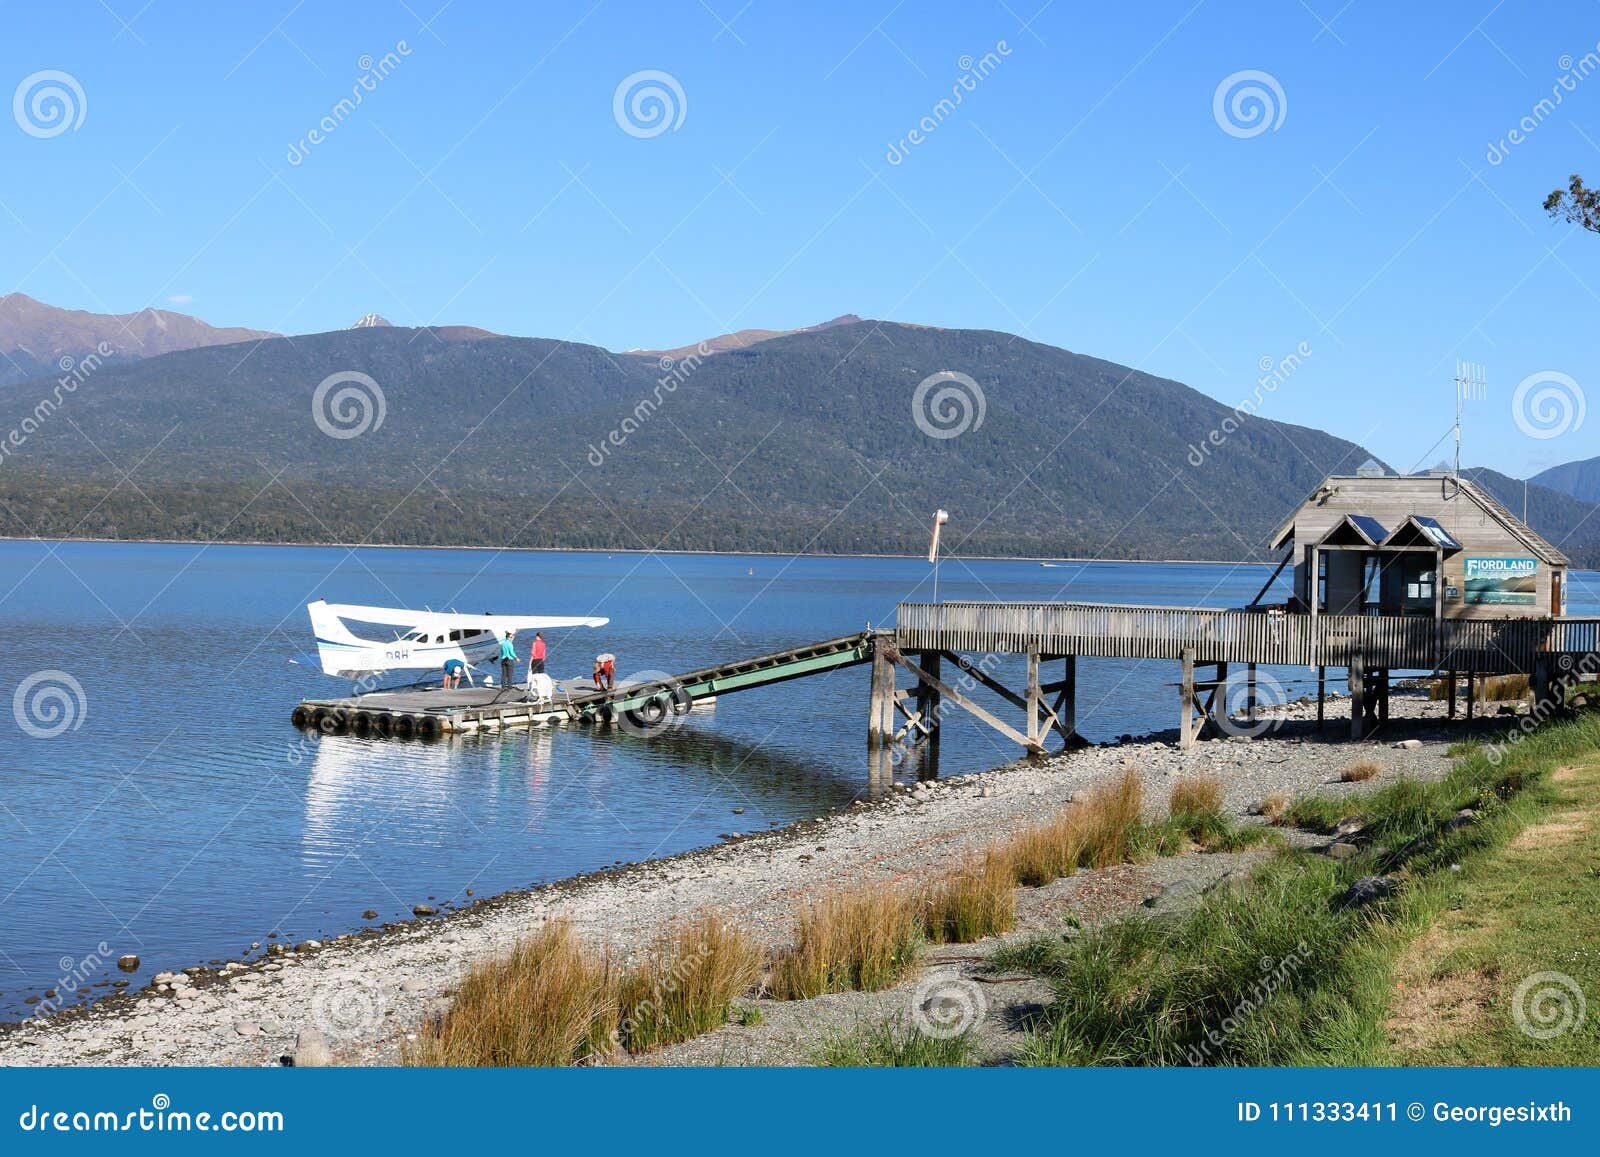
366, 990
633, 551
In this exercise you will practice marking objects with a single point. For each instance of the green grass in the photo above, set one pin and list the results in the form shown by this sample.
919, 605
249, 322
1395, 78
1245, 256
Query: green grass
894, 1044
1280, 971
1315, 813
1518, 911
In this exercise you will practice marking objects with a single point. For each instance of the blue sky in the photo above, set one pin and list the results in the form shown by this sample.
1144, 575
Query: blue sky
1083, 193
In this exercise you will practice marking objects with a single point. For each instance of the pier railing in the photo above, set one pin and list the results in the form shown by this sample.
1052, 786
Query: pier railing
1115, 630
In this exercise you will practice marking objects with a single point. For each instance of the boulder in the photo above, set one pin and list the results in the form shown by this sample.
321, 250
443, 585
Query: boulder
1342, 851
128, 963
1367, 890
1409, 744
311, 1050
424, 910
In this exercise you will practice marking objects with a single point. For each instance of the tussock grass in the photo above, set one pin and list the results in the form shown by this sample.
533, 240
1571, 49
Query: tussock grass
1196, 814
549, 1002
1275, 806
867, 939
1195, 795
1109, 817
1360, 770
1046, 852
686, 983
1195, 810
1486, 688
894, 1044
1498, 688
978, 900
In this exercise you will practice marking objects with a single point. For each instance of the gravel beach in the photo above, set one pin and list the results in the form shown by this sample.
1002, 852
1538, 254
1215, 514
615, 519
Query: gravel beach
354, 999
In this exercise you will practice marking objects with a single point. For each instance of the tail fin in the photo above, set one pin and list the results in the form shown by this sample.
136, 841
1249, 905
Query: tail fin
333, 638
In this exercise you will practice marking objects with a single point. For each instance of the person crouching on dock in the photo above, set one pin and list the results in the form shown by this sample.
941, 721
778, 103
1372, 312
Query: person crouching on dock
453, 670
605, 672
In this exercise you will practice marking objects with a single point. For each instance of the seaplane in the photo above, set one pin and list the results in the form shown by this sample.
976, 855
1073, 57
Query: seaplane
424, 640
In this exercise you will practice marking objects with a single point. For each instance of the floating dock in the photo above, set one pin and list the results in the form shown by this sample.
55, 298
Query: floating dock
646, 702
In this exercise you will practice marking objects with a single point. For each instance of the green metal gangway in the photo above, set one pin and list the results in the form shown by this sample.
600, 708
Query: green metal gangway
655, 698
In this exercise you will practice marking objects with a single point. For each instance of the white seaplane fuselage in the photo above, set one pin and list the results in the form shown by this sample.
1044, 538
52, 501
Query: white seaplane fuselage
427, 639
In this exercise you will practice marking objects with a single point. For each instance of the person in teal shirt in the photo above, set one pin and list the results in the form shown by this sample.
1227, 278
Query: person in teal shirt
508, 658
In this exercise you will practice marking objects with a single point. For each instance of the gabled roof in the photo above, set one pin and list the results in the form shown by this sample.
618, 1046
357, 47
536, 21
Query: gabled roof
1354, 530
1477, 495
1419, 528
1524, 533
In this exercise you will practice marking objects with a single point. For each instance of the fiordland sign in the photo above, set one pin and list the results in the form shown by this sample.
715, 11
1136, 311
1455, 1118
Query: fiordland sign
1501, 581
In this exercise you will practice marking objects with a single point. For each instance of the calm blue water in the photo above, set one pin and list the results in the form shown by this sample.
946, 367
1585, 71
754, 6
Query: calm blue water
183, 816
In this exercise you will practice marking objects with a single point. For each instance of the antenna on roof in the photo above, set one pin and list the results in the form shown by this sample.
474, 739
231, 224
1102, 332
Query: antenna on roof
1472, 381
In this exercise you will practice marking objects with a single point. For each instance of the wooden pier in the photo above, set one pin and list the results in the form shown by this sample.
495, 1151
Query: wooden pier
949, 651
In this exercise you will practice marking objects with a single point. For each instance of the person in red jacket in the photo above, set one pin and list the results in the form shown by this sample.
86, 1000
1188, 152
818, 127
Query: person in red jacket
536, 654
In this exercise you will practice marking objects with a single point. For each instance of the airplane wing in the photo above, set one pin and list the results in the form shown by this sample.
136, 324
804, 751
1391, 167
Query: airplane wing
454, 621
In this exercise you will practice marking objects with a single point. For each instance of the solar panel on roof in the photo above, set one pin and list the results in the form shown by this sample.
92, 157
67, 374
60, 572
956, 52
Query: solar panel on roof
1369, 526
1440, 536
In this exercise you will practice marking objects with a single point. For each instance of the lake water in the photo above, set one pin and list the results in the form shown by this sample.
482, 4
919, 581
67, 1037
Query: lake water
180, 816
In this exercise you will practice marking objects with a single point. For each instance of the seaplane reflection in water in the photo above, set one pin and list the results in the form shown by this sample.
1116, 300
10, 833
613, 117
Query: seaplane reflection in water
424, 640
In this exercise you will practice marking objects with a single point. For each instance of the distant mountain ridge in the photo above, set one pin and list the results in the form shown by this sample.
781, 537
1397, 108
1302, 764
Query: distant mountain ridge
1580, 479
34, 337
741, 339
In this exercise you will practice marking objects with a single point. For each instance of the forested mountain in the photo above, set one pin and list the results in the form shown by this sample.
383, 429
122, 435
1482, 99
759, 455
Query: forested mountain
808, 441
